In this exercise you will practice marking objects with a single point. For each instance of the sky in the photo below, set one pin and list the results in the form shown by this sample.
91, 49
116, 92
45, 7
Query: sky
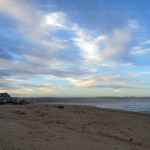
75, 48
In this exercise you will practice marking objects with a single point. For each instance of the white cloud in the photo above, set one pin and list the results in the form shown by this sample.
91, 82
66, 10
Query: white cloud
94, 51
19, 10
133, 24
89, 45
83, 82
38, 28
117, 90
55, 20
101, 48
17, 86
146, 42
110, 81
116, 44
32, 23
140, 51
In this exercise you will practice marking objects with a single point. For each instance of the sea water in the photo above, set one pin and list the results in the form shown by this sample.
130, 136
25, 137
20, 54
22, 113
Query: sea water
137, 104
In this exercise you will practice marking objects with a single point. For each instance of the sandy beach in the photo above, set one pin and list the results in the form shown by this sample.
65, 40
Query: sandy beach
55, 127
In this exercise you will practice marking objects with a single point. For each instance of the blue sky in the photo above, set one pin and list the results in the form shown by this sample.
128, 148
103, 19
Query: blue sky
73, 48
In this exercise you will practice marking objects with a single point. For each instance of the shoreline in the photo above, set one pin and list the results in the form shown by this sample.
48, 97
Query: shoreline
82, 105
121, 103
71, 127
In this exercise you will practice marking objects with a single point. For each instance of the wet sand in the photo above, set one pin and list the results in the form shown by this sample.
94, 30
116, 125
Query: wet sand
54, 127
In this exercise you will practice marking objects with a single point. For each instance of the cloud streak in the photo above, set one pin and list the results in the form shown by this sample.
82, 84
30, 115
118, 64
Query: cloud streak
107, 81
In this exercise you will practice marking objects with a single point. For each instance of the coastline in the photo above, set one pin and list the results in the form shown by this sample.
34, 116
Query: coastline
135, 104
69, 127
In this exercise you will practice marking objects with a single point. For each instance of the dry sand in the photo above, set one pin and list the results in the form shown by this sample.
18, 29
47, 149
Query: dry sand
49, 127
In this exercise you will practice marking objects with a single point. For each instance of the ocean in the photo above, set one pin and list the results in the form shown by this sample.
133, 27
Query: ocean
135, 104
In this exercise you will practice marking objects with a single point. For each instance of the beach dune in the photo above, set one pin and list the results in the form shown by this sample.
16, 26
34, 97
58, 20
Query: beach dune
55, 127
